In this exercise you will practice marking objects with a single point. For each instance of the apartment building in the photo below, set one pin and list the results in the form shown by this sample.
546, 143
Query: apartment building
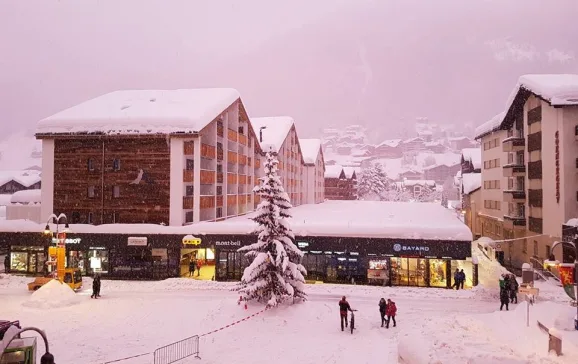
314, 170
492, 209
541, 144
278, 134
169, 157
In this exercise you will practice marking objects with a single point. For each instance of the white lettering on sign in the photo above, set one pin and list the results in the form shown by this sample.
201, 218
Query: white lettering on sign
67, 241
411, 248
228, 243
137, 241
302, 244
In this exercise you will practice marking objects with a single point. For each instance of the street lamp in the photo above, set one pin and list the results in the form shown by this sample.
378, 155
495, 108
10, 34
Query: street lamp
552, 261
261, 133
56, 220
47, 358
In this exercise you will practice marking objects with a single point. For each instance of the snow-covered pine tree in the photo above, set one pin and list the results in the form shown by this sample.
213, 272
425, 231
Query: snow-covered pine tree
372, 183
275, 273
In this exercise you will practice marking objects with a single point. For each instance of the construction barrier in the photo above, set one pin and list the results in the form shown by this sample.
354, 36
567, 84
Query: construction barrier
177, 351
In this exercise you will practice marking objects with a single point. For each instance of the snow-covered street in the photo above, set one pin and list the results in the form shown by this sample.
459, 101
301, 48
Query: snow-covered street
134, 318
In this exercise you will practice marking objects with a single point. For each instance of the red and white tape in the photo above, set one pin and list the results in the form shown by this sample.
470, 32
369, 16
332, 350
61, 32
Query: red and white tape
234, 323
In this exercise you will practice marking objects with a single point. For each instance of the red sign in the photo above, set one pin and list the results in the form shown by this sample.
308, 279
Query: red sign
567, 279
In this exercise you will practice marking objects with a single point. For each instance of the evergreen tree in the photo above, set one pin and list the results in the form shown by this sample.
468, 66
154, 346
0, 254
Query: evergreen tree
372, 183
275, 273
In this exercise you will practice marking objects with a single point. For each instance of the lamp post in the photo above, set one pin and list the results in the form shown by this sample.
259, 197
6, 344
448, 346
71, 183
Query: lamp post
552, 261
47, 358
56, 220
261, 133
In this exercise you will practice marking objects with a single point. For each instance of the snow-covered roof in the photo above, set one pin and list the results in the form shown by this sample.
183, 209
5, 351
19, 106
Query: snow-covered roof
334, 171
349, 171
446, 164
416, 139
310, 148
370, 219
26, 197
471, 182
419, 182
389, 143
458, 138
275, 131
490, 126
26, 178
142, 112
5, 199
474, 156
557, 89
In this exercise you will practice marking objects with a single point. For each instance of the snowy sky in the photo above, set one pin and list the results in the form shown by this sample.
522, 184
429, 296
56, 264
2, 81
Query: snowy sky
324, 62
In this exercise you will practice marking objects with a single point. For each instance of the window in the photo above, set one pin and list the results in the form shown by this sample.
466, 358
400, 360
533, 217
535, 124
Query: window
115, 218
189, 190
548, 251
524, 246
75, 217
535, 248
91, 193
576, 162
116, 191
190, 164
219, 212
241, 130
189, 216
416, 190
116, 164
576, 130
219, 145
219, 190
510, 183
90, 221
90, 164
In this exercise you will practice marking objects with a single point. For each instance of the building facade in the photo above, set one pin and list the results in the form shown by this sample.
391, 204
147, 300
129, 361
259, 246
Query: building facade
314, 168
337, 185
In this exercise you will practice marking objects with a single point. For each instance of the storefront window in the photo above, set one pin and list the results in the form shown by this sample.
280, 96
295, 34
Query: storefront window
76, 260
437, 273
408, 272
378, 272
97, 260
19, 262
316, 266
28, 259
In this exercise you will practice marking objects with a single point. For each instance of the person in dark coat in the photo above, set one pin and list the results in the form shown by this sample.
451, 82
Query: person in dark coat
456, 279
391, 311
382, 310
504, 298
513, 290
192, 268
95, 287
6, 264
343, 308
462, 278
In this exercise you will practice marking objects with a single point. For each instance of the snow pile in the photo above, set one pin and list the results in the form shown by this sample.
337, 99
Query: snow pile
53, 294
274, 130
474, 156
490, 126
142, 112
26, 197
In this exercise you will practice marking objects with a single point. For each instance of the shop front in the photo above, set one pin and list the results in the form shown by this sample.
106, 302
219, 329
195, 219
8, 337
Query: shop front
197, 258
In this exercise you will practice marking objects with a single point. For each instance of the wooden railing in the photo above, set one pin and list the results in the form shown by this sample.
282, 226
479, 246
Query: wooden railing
208, 151
249, 161
242, 179
242, 199
219, 201
220, 154
231, 178
231, 199
232, 135
207, 177
219, 177
188, 175
220, 129
188, 203
242, 139
207, 202
189, 148
231, 157
242, 159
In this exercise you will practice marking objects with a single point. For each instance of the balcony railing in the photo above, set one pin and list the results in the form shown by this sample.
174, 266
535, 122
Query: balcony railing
189, 148
242, 139
231, 157
535, 198
232, 135
514, 195
514, 142
219, 201
188, 203
208, 151
231, 199
242, 179
207, 202
219, 177
514, 170
207, 177
231, 178
188, 175
242, 159
515, 218
220, 129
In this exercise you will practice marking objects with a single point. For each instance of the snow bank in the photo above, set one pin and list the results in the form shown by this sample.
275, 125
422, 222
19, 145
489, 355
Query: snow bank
26, 197
53, 294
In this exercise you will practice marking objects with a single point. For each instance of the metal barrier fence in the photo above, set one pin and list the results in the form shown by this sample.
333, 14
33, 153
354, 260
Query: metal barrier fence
178, 350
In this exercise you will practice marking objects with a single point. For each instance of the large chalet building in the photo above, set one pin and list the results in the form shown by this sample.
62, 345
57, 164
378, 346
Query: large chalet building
170, 157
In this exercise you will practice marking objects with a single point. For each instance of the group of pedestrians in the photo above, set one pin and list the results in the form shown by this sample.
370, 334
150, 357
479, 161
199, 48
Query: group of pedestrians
459, 279
508, 290
387, 311
95, 286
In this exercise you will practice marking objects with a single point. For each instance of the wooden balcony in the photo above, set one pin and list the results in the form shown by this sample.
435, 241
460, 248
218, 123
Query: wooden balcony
208, 151
242, 199
242, 159
219, 177
231, 178
232, 135
242, 139
220, 154
249, 180
231, 199
220, 201
257, 163
188, 175
207, 177
231, 157
220, 129
188, 203
249, 161
189, 148
207, 202
242, 179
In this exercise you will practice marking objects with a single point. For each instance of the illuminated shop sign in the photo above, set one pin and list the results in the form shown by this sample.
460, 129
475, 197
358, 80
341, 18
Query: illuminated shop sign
302, 244
410, 248
67, 241
191, 240
227, 243
137, 241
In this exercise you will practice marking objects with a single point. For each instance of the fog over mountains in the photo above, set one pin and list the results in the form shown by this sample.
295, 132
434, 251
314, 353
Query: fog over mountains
375, 63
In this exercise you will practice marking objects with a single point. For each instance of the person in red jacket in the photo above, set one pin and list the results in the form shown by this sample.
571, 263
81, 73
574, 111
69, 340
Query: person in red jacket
343, 308
390, 311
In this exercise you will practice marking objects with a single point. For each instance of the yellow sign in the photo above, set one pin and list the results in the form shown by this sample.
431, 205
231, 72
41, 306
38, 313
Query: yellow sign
191, 240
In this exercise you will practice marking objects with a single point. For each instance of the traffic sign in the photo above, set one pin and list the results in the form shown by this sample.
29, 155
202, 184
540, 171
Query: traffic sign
529, 291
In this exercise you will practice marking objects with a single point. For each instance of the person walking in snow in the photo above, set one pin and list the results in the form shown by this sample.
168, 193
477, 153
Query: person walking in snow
382, 310
456, 279
504, 298
462, 278
513, 289
343, 308
199, 265
391, 311
6, 264
191, 268
95, 287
